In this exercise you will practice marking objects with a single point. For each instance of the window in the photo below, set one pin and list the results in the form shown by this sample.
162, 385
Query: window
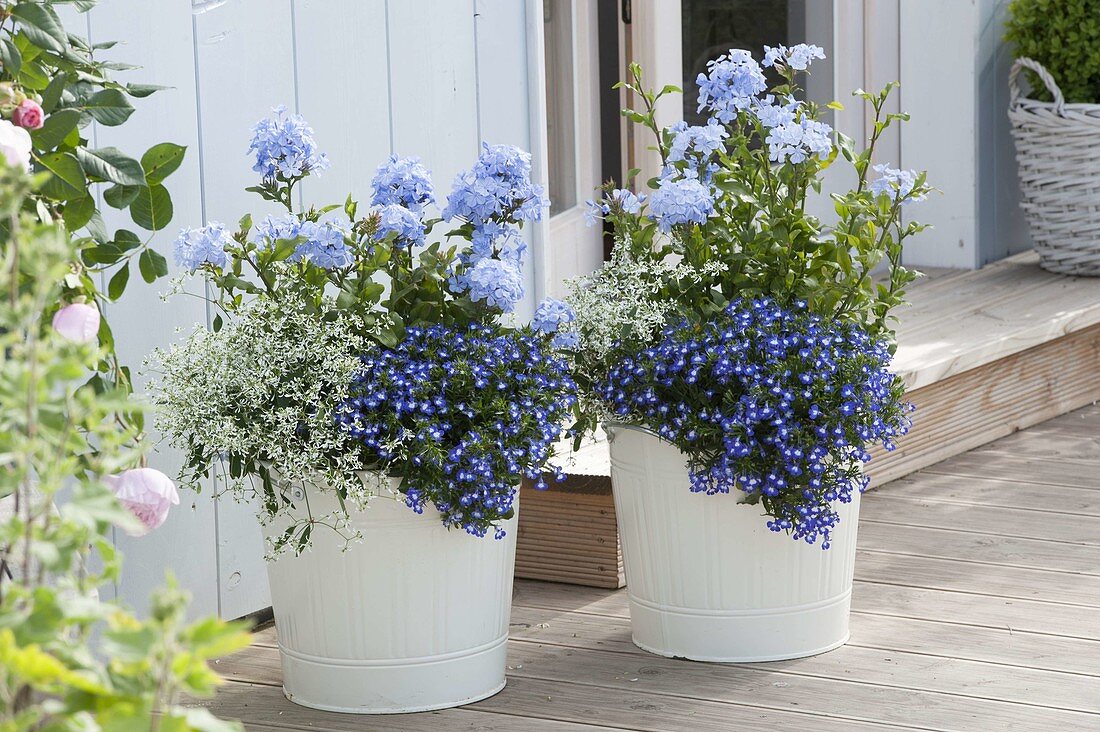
712, 27
560, 105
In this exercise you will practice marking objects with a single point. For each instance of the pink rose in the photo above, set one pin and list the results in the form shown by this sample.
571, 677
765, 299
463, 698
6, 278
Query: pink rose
78, 322
27, 115
147, 493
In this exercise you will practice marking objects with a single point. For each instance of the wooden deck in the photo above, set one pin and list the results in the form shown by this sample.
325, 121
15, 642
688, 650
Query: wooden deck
976, 607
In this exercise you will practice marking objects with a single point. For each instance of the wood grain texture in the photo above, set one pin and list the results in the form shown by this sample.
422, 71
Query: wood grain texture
976, 607
567, 533
971, 409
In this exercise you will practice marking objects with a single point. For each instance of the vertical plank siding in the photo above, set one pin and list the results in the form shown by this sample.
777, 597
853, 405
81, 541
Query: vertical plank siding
416, 77
163, 43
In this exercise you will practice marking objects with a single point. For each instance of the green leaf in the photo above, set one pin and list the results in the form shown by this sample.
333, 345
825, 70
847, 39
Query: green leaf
161, 160
78, 213
152, 265
41, 26
68, 177
33, 75
10, 57
109, 107
143, 90
55, 128
52, 94
121, 196
126, 240
117, 285
152, 208
112, 165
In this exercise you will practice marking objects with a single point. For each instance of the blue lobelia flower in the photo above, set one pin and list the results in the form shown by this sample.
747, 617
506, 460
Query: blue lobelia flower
474, 409
773, 401
897, 184
284, 146
683, 201
403, 182
196, 247
395, 219
731, 83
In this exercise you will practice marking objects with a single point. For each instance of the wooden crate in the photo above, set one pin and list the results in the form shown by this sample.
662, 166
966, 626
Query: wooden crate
567, 533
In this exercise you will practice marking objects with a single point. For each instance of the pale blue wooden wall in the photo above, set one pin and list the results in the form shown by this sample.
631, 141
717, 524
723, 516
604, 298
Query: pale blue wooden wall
425, 77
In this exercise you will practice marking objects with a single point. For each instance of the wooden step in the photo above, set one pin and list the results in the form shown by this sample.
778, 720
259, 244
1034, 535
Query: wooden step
984, 353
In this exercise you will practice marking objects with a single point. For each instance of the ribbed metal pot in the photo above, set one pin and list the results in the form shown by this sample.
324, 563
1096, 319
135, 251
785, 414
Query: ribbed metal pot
707, 580
413, 618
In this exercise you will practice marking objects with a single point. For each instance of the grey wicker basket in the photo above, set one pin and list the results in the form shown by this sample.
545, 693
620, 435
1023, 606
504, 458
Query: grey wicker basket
1058, 152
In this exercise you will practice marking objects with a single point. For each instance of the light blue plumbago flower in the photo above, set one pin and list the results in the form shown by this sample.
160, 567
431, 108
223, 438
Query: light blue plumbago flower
683, 201
552, 315
897, 184
797, 57
731, 83
619, 199
403, 182
512, 248
283, 145
499, 284
498, 188
196, 247
493, 238
773, 114
701, 141
324, 243
796, 141
566, 340
627, 200
394, 218
697, 147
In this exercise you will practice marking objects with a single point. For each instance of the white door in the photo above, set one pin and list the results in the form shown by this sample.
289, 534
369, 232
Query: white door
571, 45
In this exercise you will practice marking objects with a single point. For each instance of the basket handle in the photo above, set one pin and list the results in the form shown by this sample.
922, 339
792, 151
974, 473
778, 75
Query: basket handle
1044, 76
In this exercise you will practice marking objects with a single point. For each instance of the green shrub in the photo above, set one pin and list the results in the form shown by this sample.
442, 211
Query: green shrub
1064, 36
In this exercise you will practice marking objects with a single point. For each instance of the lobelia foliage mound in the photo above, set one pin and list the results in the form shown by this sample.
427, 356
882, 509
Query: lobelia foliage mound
731, 321
349, 341
772, 401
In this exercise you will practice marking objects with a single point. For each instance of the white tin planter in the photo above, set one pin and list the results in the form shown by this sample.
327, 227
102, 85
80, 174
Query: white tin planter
413, 618
707, 580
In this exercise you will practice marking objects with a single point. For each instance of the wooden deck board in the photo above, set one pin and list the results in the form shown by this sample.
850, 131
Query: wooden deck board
976, 607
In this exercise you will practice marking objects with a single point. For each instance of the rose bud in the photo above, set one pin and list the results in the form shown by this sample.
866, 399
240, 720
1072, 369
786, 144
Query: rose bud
78, 322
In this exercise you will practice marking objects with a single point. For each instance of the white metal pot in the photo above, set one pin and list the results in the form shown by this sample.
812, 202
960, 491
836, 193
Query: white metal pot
413, 618
707, 580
